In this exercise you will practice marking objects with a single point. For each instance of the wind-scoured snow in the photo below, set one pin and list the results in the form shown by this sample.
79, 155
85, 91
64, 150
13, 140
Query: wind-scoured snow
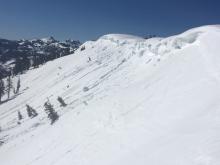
130, 101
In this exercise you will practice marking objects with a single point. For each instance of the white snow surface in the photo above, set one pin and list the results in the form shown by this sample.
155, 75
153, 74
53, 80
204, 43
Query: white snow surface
148, 102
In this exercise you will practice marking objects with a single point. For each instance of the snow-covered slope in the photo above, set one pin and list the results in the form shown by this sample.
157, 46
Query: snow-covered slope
130, 101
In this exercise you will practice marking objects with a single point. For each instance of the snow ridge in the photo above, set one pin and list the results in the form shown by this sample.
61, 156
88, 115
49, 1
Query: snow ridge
129, 101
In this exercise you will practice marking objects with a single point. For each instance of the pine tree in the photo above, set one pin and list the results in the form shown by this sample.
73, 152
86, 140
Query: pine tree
18, 85
21, 64
36, 61
2, 89
42, 59
52, 114
18, 66
9, 86
20, 117
62, 103
14, 91
26, 64
31, 111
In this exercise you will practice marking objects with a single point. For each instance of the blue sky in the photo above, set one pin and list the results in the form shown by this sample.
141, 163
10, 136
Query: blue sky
89, 19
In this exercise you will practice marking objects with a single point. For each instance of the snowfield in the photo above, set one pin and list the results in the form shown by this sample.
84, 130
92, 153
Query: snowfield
130, 101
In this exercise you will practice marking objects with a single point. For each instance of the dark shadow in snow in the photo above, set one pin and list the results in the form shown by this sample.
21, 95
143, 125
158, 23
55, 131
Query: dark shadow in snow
7, 100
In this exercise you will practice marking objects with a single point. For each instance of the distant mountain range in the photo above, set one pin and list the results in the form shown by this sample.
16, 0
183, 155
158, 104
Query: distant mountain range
47, 48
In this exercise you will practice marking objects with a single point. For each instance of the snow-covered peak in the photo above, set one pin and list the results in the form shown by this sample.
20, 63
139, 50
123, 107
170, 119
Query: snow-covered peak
48, 39
120, 37
204, 29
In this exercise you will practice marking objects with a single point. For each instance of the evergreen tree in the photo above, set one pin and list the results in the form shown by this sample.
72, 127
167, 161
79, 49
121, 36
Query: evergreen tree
36, 61
31, 111
62, 103
9, 86
18, 85
20, 117
2, 89
14, 91
21, 64
52, 114
42, 59
26, 64
18, 66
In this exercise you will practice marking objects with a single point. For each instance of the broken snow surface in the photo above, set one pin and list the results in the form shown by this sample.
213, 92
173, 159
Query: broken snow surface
130, 101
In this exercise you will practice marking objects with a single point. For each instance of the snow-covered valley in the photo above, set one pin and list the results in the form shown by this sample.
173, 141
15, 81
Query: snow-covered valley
129, 101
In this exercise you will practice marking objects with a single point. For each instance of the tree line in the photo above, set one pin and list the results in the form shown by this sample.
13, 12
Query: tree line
6, 87
21, 64
24, 63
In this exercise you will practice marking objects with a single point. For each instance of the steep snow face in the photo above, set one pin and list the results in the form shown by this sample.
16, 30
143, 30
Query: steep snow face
130, 101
